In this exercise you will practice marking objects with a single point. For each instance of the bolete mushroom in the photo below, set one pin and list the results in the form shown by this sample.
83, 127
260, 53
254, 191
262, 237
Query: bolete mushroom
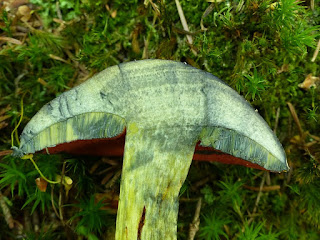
166, 108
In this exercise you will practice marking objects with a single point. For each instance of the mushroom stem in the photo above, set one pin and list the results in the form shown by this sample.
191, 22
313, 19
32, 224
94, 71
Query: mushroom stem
156, 163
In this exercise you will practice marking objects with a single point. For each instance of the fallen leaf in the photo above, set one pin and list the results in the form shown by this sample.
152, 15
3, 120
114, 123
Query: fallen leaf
24, 12
110, 199
41, 184
309, 81
11, 40
4, 117
284, 68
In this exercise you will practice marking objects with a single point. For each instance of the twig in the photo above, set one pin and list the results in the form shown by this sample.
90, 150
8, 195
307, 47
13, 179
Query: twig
29, 26
113, 180
200, 183
39, 19
35, 221
5, 152
63, 183
312, 5
263, 189
259, 194
107, 178
314, 137
6, 212
52, 202
146, 46
194, 226
11, 40
185, 25
257, 175
183, 21
27, 221
154, 6
94, 167
145, 53
16, 82
268, 181
315, 54
276, 121
296, 119
61, 193
257, 200
301, 132
182, 31
205, 14
58, 10
54, 57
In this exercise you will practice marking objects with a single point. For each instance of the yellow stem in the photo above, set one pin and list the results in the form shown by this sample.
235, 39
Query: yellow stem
156, 163
15, 129
29, 156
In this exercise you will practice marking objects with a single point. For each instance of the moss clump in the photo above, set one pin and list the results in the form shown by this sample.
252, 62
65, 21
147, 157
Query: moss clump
263, 49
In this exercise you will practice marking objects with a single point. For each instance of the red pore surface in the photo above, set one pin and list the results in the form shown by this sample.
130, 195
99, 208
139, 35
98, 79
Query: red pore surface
114, 147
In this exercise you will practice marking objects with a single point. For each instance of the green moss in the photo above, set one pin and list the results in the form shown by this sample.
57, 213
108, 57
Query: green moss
263, 49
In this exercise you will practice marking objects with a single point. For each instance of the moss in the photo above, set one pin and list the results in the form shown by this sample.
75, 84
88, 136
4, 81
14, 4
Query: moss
263, 49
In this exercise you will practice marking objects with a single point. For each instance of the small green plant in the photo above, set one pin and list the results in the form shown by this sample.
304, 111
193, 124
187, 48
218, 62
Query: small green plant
255, 231
39, 199
254, 84
16, 176
47, 234
69, 9
213, 227
309, 199
231, 194
313, 113
84, 231
92, 217
208, 194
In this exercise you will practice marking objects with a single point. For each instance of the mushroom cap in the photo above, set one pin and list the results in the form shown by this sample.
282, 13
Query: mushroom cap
156, 94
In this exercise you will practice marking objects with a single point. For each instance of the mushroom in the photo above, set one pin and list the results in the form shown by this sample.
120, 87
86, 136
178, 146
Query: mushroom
166, 108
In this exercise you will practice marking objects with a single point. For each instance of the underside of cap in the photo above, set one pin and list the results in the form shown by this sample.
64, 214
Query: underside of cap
240, 146
114, 147
83, 126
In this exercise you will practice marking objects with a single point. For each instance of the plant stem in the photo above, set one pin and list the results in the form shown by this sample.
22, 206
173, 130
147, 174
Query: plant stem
156, 163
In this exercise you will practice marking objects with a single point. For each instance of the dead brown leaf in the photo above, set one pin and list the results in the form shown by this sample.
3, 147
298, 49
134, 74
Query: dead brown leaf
4, 117
41, 184
5, 152
11, 40
24, 12
309, 81
263, 189
284, 68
